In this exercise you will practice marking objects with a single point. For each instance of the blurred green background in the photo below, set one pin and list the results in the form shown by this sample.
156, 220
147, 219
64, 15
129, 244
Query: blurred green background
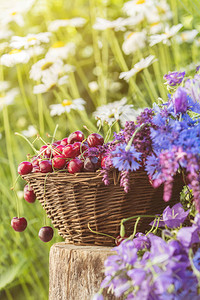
100, 56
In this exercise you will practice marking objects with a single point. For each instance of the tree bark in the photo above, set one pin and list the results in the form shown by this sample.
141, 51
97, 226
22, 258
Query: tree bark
76, 272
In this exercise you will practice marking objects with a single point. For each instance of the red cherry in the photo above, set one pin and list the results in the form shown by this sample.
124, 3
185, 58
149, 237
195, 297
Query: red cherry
119, 239
57, 150
35, 161
19, 224
46, 234
29, 194
95, 139
77, 148
91, 164
36, 169
64, 142
75, 165
69, 152
45, 166
103, 162
76, 136
57, 142
25, 167
59, 161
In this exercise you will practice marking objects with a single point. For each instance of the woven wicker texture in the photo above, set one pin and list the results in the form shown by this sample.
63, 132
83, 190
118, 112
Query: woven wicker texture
73, 201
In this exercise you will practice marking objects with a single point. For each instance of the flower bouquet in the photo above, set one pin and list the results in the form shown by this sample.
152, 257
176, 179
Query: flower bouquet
150, 159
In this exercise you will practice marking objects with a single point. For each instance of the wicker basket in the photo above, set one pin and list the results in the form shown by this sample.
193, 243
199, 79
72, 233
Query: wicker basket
73, 201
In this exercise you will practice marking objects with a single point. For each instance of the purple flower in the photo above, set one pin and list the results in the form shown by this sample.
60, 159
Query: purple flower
174, 78
137, 275
141, 242
172, 217
97, 296
175, 216
180, 100
196, 260
125, 160
188, 236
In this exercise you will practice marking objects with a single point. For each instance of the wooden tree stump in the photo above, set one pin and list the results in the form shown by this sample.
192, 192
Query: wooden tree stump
76, 272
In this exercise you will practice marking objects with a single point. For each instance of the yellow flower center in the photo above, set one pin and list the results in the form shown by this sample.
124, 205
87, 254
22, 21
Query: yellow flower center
51, 87
13, 13
183, 36
31, 39
58, 44
140, 1
46, 66
14, 51
154, 24
130, 34
66, 102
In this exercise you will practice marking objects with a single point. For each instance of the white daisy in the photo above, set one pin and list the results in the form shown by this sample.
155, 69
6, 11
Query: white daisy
75, 22
134, 41
134, 7
31, 131
49, 82
35, 51
4, 85
5, 32
11, 11
61, 50
30, 40
115, 111
14, 57
67, 106
93, 86
142, 64
118, 24
164, 37
156, 27
69, 68
186, 36
8, 98
46, 66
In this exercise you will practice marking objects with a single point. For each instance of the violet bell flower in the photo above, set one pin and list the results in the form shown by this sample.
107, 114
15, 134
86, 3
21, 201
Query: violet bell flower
180, 100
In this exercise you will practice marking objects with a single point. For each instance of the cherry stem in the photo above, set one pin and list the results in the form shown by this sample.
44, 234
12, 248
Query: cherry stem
54, 134
100, 232
132, 138
17, 133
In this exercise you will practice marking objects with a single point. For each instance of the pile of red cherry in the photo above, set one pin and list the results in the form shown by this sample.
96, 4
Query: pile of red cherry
71, 154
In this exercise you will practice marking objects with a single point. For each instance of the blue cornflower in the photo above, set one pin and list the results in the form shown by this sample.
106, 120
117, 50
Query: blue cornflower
125, 160
174, 78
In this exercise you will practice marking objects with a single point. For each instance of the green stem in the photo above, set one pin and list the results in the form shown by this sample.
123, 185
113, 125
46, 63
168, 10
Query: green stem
21, 85
100, 232
19, 134
135, 228
41, 113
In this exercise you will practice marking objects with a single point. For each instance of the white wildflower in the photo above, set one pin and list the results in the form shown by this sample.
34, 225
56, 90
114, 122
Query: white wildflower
164, 37
30, 40
31, 131
134, 41
46, 66
186, 36
69, 68
61, 50
14, 57
12, 11
115, 111
75, 22
4, 85
93, 86
49, 82
35, 51
67, 106
5, 32
118, 24
8, 97
156, 27
142, 64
